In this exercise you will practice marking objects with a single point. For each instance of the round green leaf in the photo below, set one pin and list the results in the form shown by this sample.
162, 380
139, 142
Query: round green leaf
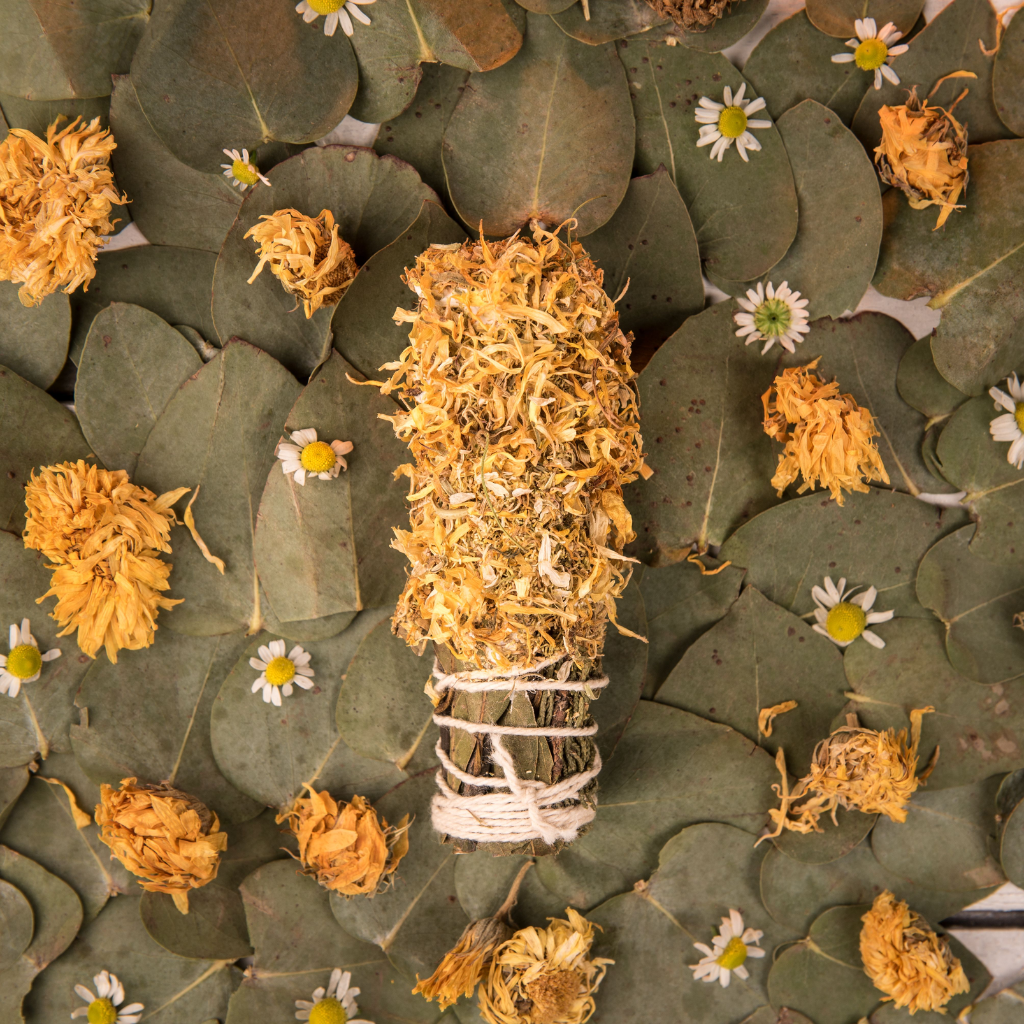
546, 6
724, 199
1008, 78
506, 161
302, 630
608, 20
922, 386
832, 842
38, 115
12, 784
130, 368
1011, 845
483, 881
34, 341
233, 74
16, 925
373, 199
837, 17
1002, 1007
269, 752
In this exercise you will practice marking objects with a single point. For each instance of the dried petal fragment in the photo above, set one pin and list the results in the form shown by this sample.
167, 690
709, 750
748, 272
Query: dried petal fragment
768, 715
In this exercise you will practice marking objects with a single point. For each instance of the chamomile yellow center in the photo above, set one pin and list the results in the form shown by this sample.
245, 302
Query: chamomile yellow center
280, 671
243, 172
318, 457
24, 661
325, 7
773, 317
871, 54
1018, 415
102, 1011
846, 621
732, 122
328, 1011
733, 955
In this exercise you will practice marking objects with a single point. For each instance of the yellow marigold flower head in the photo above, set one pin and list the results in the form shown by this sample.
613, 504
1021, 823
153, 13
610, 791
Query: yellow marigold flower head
857, 769
344, 846
306, 254
55, 199
923, 152
828, 436
544, 975
906, 960
171, 840
103, 535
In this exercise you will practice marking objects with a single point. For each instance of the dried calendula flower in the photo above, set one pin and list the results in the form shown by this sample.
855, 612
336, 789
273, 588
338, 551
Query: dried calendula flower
906, 960
104, 536
171, 840
463, 966
344, 846
55, 200
828, 436
306, 254
544, 975
855, 768
692, 15
923, 152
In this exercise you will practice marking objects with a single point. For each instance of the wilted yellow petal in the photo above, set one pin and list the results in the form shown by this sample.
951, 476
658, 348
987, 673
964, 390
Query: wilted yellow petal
81, 818
190, 522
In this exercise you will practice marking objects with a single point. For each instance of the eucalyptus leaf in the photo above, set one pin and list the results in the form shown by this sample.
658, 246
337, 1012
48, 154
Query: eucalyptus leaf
833, 842
546, 6
976, 728
237, 73
483, 881
301, 630
12, 784
608, 20
34, 340
1003, 1007
837, 17
507, 162
372, 199
922, 386
1008, 78
1011, 845
172, 203
977, 600
17, 924
724, 199
269, 752
38, 115
130, 368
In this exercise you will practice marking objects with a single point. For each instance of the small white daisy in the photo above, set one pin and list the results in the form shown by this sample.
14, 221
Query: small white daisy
308, 455
335, 1004
725, 123
24, 662
732, 946
337, 12
277, 673
772, 315
102, 1008
1010, 426
842, 621
873, 50
242, 171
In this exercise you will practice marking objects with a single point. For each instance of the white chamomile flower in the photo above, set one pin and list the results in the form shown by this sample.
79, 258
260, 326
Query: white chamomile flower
337, 13
772, 315
873, 50
242, 171
308, 455
103, 1006
726, 123
277, 673
335, 1004
1010, 426
843, 618
732, 945
24, 662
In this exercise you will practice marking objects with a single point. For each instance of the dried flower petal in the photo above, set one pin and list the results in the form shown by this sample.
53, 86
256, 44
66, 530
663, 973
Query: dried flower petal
768, 715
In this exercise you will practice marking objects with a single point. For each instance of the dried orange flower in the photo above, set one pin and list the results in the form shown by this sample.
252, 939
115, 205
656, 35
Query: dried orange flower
171, 840
544, 975
857, 769
827, 435
343, 846
923, 152
306, 254
906, 960
55, 199
103, 535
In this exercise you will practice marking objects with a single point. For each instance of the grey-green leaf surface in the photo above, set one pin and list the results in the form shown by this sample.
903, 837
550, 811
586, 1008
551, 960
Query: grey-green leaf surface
52, 52
324, 547
1004, 1007
922, 386
1011, 844
874, 540
837, 17
132, 364
725, 198
977, 600
12, 784
977, 727
373, 200
483, 881
832, 843
17, 924
606, 21
1008, 78
648, 249
269, 752
172, 203
233, 74
793, 62
34, 340
514, 146
218, 433
38, 115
